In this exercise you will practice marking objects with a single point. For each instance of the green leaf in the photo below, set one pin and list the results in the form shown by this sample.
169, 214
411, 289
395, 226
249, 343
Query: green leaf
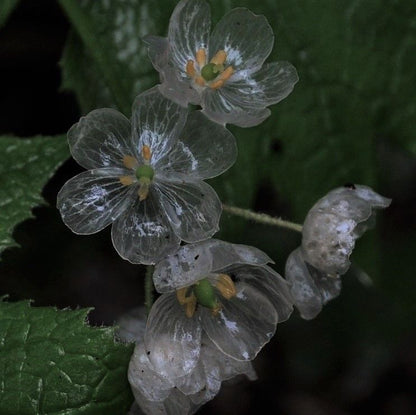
6, 7
52, 363
25, 167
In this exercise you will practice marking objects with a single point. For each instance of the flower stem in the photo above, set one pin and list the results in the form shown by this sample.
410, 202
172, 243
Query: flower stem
262, 218
148, 288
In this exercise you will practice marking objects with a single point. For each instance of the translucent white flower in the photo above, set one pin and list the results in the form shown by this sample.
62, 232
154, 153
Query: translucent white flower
218, 289
328, 238
157, 394
146, 177
223, 71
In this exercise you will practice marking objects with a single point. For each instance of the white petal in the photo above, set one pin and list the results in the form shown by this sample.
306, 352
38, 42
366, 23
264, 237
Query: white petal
193, 208
246, 38
172, 340
272, 83
131, 325
204, 150
142, 234
217, 107
93, 199
310, 290
244, 324
157, 123
158, 48
101, 139
195, 261
269, 283
142, 376
189, 29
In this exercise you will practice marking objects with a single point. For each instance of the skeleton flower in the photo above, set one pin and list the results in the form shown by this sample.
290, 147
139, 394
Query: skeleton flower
223, 72
328, 238
145, 177
217, 289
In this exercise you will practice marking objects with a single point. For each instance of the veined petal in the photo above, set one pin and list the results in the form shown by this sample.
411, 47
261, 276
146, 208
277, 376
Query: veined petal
142, 376
101, 139
158, 48
219, 108
194, 261
193, 208
172, 340
205, 149
156, 122
272, 83
245, 37
143, 234
93, 199
244, 324
269, 283
189, 28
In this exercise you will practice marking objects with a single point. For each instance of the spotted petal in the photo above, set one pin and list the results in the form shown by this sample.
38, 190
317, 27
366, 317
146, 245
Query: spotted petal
189, 28
193, 208
101, 139
172, 340
143, 234
93, 199
194, 157
157, 123
246, 38
244, 324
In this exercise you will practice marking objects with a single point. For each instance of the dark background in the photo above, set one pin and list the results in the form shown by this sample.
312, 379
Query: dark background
357, 357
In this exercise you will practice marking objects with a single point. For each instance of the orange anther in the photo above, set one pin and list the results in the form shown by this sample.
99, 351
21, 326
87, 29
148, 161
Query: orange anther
143, 191
200, 81
227, 73
130, 162
146, 153
219, 58
126, 180
201, 57
190, 68
225, 286
188, 301
217, 84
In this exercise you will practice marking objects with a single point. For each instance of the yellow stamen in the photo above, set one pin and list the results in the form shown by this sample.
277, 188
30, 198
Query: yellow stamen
190, 68
144, 188
126, 180
226, 287
219, 58
189, 302
146, 153
223, 77
201, 57
130, 162
217, 84
200, 81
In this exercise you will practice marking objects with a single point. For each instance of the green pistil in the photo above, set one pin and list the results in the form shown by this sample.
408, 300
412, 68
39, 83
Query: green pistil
205, 294
210, 72
145, 172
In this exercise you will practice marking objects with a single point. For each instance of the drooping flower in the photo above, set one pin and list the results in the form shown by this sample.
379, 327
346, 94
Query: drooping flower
146, 177
223, 71
329, 233
217, 289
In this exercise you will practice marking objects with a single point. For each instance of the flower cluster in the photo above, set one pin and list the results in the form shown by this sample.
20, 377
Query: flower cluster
328, 238
219, 302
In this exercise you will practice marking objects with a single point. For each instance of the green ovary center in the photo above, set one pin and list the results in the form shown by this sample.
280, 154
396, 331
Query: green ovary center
205, 294
211, 71
145, 172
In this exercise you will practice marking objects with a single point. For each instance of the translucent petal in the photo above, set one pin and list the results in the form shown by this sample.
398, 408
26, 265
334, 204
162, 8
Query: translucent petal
157, 123
244, 324
189, 28
193, 262
101, 139
142, 376
205, 149
143, 234
272, 83
269, 283
93, 199
310, 290
246, 38
193, 208
217, 107
131, 325
172, 340
158, 48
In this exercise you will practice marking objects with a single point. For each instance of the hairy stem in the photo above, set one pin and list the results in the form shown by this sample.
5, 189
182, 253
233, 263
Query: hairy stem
262, 218
148, 288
